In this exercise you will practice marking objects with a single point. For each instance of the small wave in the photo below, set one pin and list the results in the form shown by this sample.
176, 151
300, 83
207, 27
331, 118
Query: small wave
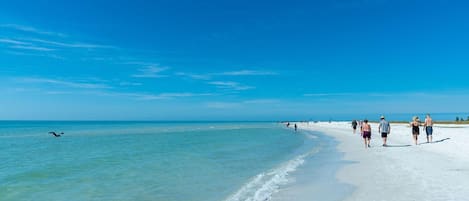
262, 186
311, 136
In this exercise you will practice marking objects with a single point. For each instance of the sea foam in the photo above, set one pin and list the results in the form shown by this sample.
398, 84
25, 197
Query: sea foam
262, 186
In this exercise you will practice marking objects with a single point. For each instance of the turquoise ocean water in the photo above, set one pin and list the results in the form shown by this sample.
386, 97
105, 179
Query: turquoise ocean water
151, 160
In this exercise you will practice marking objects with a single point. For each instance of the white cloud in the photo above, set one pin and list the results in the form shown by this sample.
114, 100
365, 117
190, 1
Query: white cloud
151, 72
261, 101
229, 105
209, 76
169, 95
14, 42
194, 76
140, 63
223, 105
230, 85
141, 96
81, 85
58, 92
34, 54
31, 30
247, 72
69, 45
130, 84
148, 96
35, 48
184, 94
326, 94
389, 94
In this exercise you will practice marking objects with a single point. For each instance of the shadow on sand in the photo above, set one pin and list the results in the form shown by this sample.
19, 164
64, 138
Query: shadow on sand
438, 141
442, 140
406, 145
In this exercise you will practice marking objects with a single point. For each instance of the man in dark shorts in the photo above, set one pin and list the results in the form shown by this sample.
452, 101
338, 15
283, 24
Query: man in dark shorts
354, 126
366, 133
384, 129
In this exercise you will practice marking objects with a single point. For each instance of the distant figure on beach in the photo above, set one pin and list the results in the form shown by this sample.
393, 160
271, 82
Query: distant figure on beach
55, 134
366, 133
385, 129
296, 127
288, 124
415, 128
354, 126
429, 128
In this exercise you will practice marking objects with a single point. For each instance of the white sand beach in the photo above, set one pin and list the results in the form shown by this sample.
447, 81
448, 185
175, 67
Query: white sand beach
403, 172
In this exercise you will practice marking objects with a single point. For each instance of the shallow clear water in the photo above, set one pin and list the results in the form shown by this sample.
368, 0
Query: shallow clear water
148, 160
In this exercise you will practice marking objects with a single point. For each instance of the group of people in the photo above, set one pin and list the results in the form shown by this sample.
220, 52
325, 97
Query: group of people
384, 129
295, 126
428, 127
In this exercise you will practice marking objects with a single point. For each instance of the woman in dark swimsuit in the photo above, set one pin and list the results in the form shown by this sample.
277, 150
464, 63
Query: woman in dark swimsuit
415, 129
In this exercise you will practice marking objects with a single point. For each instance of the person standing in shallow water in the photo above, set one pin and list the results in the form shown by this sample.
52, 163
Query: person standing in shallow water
354, 126
429, 128
366, 133
384, 129
415, 129
296, 127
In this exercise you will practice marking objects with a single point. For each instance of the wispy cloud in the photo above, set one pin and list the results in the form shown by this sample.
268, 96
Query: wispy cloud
152, 71
35, 48
139, 63
261, 101
31, 30
238, 104
169, 95
58, 92
361, 94
208, 76
73, 84
247, 72
130, 84
97, 89
184, 94
230, 85
68, 45
223, 105
43, 54
195, 76
326, 94
14, 42
147, 96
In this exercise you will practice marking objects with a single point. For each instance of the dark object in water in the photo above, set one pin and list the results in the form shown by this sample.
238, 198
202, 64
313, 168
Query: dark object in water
55, 134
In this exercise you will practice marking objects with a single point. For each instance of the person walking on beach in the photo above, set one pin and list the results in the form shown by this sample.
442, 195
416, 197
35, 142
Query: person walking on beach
366, 133
354, 126
384, 129
361, 124
415, 129
296, 127
429, 128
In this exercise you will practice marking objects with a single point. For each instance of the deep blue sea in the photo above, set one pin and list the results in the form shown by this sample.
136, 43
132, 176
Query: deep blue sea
157, 161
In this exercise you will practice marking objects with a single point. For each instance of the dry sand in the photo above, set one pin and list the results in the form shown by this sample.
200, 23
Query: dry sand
434, 171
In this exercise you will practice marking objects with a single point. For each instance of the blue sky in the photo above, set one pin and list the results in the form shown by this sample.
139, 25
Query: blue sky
231, 60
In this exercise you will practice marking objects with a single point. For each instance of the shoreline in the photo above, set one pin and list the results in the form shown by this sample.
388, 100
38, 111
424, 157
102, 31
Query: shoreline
402, 171
316, 178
